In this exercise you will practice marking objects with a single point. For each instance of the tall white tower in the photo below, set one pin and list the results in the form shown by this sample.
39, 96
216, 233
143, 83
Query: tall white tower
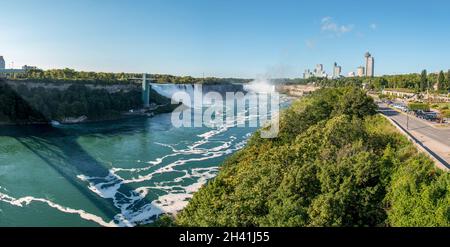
336, 71
2, 63
370, 62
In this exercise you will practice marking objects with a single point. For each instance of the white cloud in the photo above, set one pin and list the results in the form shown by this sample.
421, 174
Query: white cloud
373, 26
346, 29
310, 43
326, 19
329, 25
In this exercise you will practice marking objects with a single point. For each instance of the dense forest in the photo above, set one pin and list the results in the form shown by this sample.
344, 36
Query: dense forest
72, 76
21, 104
335, 163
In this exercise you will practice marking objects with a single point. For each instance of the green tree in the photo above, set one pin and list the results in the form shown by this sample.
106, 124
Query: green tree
448, 80
441, 81
379, 83
423, 80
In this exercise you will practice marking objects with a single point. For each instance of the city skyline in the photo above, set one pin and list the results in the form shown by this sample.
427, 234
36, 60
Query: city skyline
361, 71
202, 38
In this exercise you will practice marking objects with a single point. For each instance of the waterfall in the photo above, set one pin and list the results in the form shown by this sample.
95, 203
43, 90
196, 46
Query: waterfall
260, 85
168, 90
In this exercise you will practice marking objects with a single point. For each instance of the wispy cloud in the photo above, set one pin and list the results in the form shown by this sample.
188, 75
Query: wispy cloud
310, 43
329, 25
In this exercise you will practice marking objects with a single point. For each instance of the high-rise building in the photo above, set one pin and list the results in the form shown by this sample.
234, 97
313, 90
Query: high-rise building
336, 71
2, 63
360, 71
318, 72
370, 62
319, 67
307, 74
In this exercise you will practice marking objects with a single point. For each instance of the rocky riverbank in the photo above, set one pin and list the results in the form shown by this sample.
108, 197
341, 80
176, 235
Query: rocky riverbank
25, 103
296, 90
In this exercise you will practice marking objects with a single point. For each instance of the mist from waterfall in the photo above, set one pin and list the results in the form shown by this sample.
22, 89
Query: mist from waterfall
261, 85
168, 90
196, 90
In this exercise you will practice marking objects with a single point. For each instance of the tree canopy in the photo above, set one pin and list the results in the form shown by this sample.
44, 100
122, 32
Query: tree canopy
73, 76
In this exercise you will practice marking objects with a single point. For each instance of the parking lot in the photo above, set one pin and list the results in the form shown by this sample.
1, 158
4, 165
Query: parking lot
430, 116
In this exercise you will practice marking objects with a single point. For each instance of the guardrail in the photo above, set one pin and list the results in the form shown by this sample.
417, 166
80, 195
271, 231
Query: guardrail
441, 163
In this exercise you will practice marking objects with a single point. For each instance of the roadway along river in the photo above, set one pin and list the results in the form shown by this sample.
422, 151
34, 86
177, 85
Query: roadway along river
435, 139
107, 174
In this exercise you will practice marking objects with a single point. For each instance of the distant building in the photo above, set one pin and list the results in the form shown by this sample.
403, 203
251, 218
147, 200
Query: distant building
318, 71
319, 67
351, 74
2, 63
370, 64
336, 71
307, 74
360, 71
12, 73
26, 67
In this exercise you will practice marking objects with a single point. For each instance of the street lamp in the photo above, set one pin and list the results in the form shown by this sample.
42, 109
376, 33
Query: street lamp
407, 120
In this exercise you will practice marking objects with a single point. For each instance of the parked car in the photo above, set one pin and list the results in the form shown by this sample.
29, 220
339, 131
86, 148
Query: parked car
427, 115
404, 108
430, 116
401, 107
419, 113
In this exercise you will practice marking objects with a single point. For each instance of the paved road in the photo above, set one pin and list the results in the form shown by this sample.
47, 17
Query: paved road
435, 139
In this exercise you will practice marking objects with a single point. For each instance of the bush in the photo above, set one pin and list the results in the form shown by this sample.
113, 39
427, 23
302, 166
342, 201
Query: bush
418, 106
445, 113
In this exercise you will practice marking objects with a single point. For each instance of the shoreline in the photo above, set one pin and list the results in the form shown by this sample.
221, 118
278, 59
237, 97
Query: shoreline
122, 116
70, 123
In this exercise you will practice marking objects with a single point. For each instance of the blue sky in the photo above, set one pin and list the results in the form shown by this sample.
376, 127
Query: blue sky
225, 38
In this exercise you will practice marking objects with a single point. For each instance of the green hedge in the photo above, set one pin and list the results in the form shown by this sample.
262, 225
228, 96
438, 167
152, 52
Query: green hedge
419, 106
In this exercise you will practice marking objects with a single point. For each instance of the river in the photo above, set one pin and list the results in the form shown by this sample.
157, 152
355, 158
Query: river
117, 173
